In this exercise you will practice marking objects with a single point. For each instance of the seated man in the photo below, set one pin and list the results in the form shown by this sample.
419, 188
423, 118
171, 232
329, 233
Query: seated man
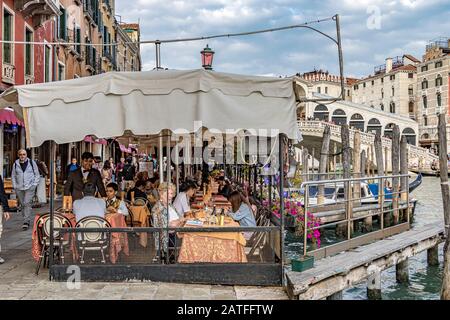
113, 204
89, 205
139, 191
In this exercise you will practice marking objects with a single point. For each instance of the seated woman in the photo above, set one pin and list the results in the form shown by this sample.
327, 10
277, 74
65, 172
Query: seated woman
139, 191
181, 202
113, 204
163, 215
241, 211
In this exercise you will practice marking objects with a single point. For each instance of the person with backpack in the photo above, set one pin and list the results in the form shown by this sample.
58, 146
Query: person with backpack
25, 179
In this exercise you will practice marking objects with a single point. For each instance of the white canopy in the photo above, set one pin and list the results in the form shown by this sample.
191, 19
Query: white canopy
147, 102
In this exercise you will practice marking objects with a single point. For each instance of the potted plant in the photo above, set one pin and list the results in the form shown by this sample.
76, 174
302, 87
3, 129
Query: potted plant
302, 263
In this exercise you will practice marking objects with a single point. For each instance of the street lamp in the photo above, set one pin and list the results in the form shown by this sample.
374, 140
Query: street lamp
207, 58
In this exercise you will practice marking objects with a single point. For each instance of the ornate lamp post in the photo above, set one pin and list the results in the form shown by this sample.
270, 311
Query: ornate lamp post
207, 58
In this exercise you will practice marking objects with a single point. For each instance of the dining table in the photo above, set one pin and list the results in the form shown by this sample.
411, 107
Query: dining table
213, 247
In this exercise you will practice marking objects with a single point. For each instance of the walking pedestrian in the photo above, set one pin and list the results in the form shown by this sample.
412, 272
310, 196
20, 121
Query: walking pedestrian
25, 179
4, 212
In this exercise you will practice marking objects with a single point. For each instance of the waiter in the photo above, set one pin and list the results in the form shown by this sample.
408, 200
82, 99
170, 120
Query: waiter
77, 179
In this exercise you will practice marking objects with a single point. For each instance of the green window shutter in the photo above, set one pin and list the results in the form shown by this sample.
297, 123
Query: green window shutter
7, 18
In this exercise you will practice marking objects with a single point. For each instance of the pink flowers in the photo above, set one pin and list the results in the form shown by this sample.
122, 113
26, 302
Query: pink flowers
295, 209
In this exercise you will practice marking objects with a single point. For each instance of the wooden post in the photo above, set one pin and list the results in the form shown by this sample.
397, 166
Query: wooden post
335, 296
305, 164
395, 171
312, 161
443, 169
402, 272
386, 160
368, 220
357, 165
379, 154
334, 159
433, 256
323, 163
345, 136
373, 161
404, 185
374, 286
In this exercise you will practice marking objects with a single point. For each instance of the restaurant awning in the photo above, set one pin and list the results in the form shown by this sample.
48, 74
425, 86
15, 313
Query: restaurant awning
8, 116
96, 141
147, 102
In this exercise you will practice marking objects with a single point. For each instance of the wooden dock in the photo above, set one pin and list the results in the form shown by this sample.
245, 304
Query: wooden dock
333, 274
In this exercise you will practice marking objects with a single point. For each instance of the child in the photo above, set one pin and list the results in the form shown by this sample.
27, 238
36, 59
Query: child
113, 204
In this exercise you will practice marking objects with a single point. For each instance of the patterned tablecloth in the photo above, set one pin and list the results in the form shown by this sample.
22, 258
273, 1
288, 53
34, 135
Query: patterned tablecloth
215, 247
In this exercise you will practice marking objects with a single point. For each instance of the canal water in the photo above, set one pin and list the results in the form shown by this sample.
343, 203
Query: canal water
425, 282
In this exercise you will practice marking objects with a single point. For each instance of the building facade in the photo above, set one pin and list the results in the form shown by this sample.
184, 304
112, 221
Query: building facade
432, 91
326, 83
392, 88
23, 21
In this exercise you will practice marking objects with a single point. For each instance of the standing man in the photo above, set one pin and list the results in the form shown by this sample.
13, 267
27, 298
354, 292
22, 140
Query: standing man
25, 178
77, 179
4, 208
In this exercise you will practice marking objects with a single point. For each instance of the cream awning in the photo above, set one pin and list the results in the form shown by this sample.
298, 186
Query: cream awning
147, 102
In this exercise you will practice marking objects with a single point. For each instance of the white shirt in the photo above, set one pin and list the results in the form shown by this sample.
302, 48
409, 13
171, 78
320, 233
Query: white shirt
89, 206
181, 204
173, 215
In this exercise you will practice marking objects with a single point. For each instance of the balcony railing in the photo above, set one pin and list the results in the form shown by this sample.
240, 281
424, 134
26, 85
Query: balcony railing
8, 73
40, 11
88, 9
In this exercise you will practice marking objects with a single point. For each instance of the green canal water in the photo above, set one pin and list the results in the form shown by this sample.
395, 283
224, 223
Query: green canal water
425, 282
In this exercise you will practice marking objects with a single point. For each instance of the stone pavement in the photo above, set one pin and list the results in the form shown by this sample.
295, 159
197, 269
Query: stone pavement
18, 280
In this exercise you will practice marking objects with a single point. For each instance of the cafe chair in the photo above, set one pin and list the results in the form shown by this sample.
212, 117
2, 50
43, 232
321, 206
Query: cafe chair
93, 241
258, 242
140, 202
129, 218
43, 233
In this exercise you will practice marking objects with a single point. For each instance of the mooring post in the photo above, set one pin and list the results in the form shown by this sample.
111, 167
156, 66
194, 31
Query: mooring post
374, 286
433, 256
335, 296
323, 163
305, 165
443, 172
345, 138
380, 171
402, 272
404, 185
395, 171
368, 220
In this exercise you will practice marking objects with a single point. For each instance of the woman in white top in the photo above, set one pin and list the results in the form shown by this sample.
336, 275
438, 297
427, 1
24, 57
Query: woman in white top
181, 202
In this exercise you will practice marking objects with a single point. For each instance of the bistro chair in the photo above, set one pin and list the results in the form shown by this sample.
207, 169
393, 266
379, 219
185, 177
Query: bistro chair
140, 202
258, 242
43, 232
93, 241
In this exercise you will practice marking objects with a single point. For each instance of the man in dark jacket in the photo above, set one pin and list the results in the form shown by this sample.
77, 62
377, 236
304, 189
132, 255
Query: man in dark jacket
78, 178
4, 212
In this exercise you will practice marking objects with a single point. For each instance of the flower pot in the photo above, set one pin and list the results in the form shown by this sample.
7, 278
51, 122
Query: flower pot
303, 263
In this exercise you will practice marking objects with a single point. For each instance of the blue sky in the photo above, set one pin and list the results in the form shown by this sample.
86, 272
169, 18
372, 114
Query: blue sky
371, 30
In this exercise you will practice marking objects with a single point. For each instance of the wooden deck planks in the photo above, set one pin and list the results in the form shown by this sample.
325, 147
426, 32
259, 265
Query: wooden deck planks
343, 263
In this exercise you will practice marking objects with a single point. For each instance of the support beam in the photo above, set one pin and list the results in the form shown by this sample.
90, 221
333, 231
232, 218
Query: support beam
433, 256
374, 286
402, 272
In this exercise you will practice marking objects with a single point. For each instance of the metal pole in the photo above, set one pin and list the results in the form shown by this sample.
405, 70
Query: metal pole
169, 160
52, 204
341, 58
281, 170
176, 168
161, 171
158, 54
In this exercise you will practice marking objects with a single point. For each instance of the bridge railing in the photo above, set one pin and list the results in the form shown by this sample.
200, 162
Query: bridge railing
368, 138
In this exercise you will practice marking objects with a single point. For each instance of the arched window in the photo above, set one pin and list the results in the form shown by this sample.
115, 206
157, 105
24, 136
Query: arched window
411, 107
357, 122
425, 102
438, 81
388, 130
410, 135
425, 120
392, 107
339, 117
382, 107
439, 99
425, 136
321, 113
374, 126
424, 84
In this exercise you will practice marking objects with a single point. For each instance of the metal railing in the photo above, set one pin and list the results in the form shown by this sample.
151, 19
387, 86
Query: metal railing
348, 195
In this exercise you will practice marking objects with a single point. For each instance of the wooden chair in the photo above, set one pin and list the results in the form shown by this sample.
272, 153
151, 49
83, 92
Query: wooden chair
258, 241
43, 232
93, 241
